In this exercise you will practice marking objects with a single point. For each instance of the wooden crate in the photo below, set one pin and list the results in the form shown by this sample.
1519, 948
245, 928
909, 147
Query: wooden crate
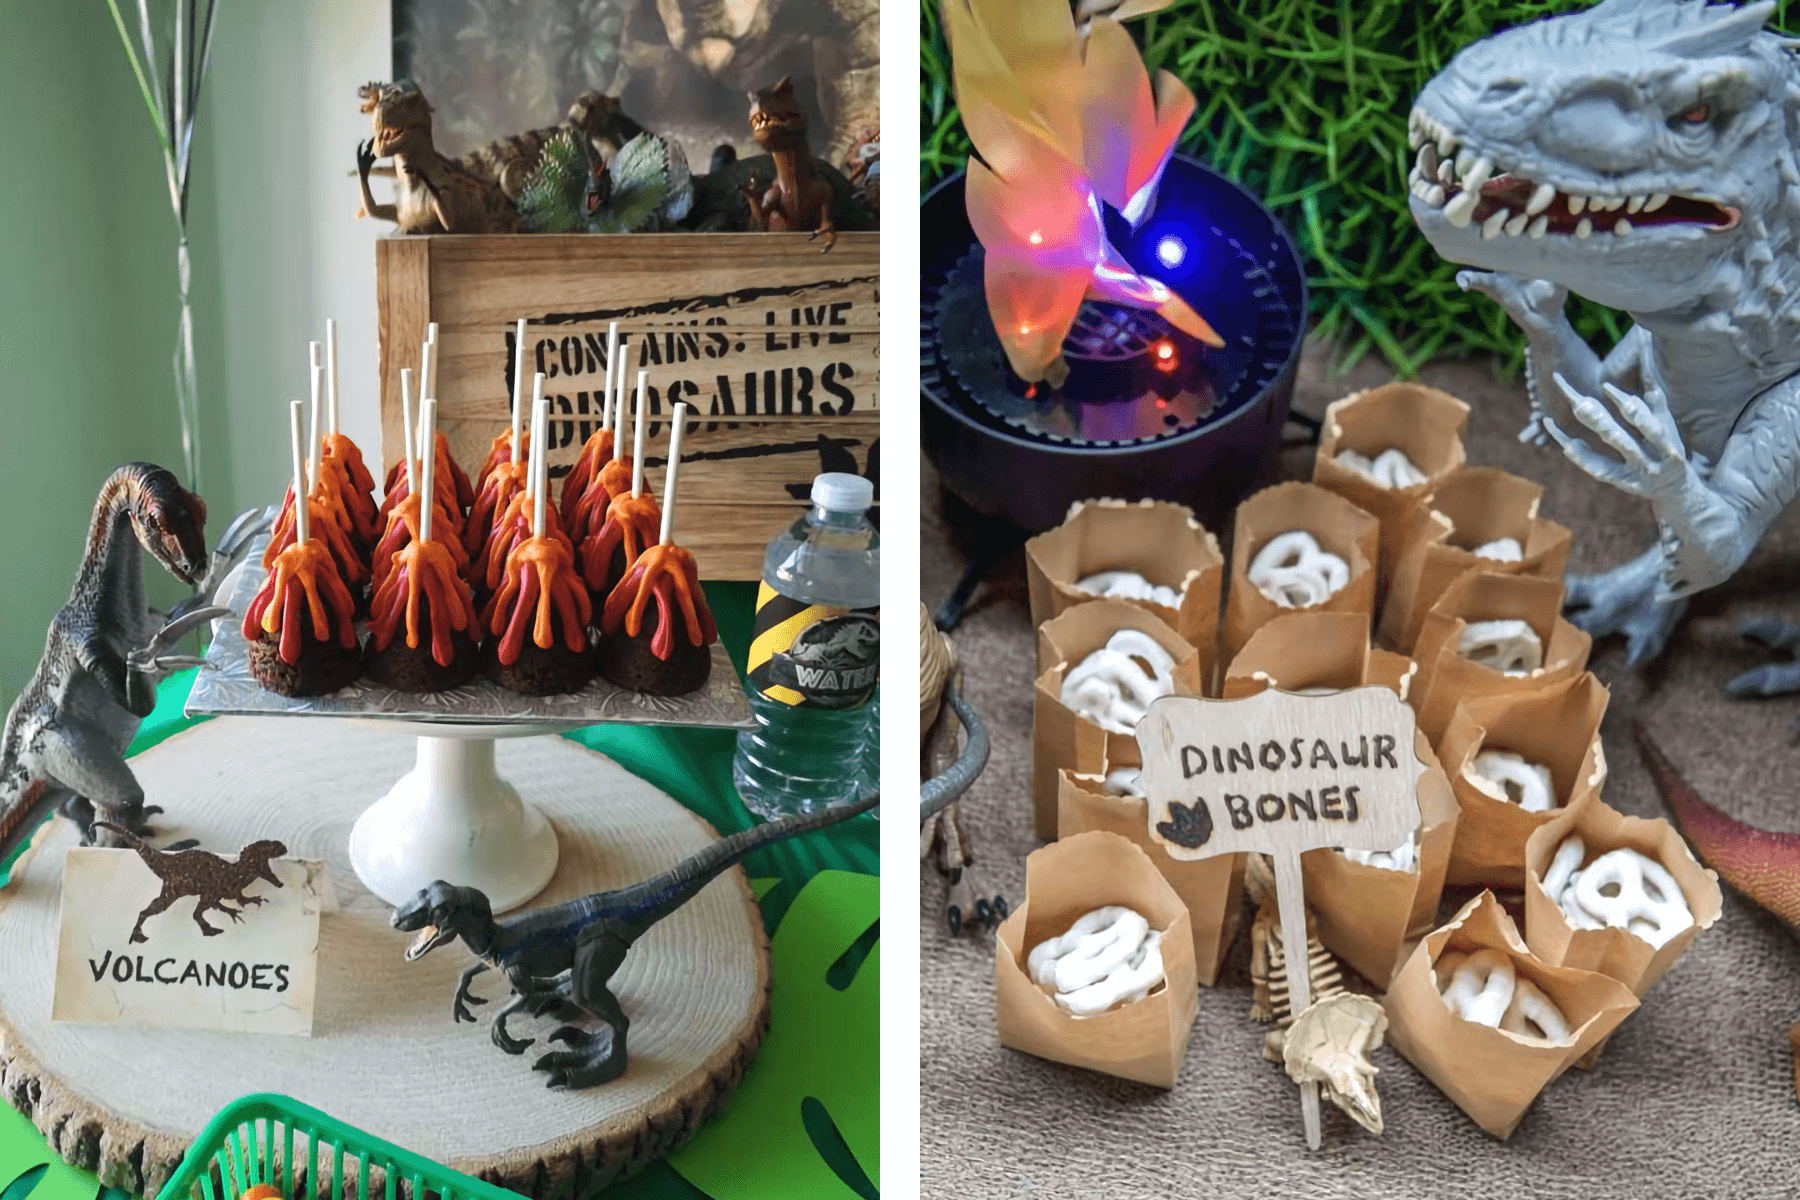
773, 345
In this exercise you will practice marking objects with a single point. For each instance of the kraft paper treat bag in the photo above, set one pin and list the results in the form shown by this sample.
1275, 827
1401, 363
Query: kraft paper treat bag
1145, 1040
1612, 951
1490, 1074
1446, 678
1156, 539
1422, 423
1211, 888
1365, 914
1557, 727
1062, 738
1472, 508
1339, 527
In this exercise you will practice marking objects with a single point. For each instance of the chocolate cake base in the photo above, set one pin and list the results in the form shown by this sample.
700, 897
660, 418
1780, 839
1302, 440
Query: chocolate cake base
630, 663
324, 667
539, 672
408, 670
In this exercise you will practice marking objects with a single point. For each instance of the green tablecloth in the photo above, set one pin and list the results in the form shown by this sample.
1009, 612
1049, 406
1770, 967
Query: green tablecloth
693, 765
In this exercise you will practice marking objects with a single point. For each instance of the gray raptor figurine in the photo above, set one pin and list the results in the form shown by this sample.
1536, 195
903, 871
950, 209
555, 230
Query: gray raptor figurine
560, 959
63, 746
1643, 154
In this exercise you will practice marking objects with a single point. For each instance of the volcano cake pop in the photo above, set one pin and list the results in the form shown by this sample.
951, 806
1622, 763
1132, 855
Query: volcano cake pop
632, 520
611, 475
330, 517
451, 476
301, 625
503, 480
656, 629
340, 459
537, 620
597, 451
406, 519
506, 447
426, 589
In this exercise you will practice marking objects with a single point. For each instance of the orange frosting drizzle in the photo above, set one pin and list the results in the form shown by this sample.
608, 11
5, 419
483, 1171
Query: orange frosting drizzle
668, 574
461, 492
540, 580
323, 527
513, 530
595, 453
302, 575
506, 481
631, 521
403, 529
499, 454
614, 479
340, 453
441, 484
426, 568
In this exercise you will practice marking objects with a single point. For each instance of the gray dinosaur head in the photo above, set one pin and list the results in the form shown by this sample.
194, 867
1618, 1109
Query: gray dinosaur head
1624, 151
440, 913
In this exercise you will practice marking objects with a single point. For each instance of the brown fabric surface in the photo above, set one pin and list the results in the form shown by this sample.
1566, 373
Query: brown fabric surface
1694, 1096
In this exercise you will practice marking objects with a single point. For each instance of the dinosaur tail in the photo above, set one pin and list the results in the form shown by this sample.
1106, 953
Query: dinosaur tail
1763, 866
658, 897
19, 822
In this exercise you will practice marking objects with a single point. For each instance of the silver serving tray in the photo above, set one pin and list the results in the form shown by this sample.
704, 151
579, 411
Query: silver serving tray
225, 687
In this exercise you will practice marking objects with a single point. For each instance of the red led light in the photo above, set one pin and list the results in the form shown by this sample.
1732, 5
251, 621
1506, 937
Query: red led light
1165, 355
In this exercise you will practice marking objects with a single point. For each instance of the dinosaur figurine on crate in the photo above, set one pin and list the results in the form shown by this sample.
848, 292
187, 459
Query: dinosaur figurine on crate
561, 959
645, 187
509, 162
1330, 1040
432, 194
63, 746
1643, 154
215, 883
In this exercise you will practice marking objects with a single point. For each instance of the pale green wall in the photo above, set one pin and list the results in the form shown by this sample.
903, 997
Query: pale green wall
87, 302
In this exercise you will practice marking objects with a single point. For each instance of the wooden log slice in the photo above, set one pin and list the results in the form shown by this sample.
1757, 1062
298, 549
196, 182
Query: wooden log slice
385, 1055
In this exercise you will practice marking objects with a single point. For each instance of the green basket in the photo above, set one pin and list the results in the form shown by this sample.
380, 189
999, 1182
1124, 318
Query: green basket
253, 1139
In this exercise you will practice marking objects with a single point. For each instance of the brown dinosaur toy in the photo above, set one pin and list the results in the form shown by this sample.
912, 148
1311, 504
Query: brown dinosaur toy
799, 199
199, 873
432, 194
509, 161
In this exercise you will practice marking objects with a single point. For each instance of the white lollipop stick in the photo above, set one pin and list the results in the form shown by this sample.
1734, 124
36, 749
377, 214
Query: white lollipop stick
518, 386
301, 528
668, 505
431, 332
406, 429
427, 500
331, 375
617, 403
612, 362
318, 383
540, 460
637, 440
537, 400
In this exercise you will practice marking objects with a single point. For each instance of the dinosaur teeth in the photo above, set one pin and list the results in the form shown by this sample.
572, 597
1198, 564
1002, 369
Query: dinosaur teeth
1479, 173
1657, 201
1615, 204
1428, 161
1434, 196
1465, 160
1490, 228
1446, 172
1516, 226
1636, 202
1584, 228
1540, 199
1461, 210
1539, 227
1621, 227
1577, 204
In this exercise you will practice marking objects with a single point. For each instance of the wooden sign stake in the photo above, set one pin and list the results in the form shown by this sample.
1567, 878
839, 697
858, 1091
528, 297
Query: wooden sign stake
1280, 774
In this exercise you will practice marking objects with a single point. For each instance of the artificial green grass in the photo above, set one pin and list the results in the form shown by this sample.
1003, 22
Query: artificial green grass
1305, 102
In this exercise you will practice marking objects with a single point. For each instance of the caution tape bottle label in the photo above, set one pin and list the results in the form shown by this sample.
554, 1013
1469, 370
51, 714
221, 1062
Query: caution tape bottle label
814, 655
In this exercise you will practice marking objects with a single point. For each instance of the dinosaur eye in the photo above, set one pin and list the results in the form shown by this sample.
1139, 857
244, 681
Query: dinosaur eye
1700, 114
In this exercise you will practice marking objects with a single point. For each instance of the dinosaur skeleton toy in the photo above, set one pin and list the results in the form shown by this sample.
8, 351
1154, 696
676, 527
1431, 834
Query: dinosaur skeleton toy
1643, 154
63, 746
560, 959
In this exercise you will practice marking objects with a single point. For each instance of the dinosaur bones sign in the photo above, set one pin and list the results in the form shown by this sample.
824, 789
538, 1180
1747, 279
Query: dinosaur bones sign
190, 939
1280, 774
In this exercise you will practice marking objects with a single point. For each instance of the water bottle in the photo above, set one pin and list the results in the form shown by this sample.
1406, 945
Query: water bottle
815, 656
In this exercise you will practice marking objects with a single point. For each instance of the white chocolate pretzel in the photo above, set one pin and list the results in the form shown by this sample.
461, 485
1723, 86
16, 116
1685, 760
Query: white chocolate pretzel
1621, 888
1404, 857
1481, 985
1108, 956
1531, 1014
1131, 586
1511, 647
1110, 689
1501, 550
1389, 469
1509, 777
1124, 781
1294, 572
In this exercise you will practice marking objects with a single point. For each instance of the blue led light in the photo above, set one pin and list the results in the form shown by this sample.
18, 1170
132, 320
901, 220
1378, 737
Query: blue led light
1171, 251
